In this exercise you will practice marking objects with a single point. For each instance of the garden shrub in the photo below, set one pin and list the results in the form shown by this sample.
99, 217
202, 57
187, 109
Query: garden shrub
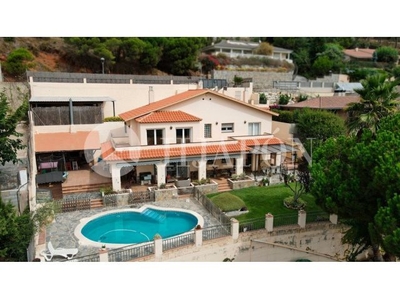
284, 99
228, 202
113, 119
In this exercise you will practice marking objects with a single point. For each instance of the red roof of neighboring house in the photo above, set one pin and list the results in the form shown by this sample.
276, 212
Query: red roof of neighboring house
167, 102
67, 141
331, 102
359, 53
167, 117
173, 151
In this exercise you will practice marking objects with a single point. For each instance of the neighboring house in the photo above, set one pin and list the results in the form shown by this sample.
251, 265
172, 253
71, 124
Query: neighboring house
190, 135
335, 104
245, 49
347, 87
359, 54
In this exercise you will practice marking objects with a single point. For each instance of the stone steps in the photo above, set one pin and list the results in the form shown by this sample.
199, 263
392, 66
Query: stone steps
84, 188
224, 187
96, 203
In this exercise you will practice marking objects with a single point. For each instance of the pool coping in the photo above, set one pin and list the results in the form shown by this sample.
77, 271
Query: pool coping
87, 242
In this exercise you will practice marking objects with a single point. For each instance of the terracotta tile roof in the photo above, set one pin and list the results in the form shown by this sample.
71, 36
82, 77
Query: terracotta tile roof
173, 151
360, 53
167, 102
107, 148
67, 141
332, 102
167, 117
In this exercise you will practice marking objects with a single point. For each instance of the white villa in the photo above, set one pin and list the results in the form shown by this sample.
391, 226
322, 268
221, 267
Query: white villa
190, 135
170, 130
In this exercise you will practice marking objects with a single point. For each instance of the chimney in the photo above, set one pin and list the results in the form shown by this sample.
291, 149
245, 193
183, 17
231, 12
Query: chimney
356, 49
151, 94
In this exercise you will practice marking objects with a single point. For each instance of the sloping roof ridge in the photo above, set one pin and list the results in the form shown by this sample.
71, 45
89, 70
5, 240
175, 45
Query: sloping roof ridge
163, 103
242, 102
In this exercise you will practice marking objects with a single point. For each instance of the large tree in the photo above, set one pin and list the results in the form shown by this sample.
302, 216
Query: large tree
358, 179
16, 232
315, 126
10, 141
378, 99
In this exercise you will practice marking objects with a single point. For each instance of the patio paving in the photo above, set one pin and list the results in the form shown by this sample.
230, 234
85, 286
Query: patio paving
61, 231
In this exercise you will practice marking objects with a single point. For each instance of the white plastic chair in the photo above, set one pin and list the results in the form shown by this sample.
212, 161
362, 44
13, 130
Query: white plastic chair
67, 253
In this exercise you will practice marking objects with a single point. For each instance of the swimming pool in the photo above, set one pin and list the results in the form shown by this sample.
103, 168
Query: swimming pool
134, 226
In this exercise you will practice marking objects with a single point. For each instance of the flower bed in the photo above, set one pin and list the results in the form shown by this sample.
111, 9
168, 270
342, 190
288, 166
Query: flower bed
240, 183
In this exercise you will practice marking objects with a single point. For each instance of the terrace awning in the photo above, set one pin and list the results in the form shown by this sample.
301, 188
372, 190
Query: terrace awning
67, 141
267, 149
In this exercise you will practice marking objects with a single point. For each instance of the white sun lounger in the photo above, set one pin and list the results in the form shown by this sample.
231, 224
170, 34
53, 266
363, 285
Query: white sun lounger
67, 253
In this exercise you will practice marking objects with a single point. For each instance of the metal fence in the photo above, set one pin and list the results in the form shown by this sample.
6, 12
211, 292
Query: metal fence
60, 115
87, 258
317, 216
296, 85
215, 232
69, 205
110, 78
130, 252
254, 224
178, 241
214, 210
284, 220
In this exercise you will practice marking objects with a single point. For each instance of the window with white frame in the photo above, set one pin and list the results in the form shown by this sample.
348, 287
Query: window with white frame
183, 135
155, 136
227, 127
254, 128
207, 130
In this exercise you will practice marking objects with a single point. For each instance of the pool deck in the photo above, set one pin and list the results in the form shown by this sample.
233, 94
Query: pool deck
61, 231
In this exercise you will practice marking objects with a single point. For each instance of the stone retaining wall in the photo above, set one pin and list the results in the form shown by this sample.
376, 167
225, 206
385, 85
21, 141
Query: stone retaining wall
240, 184
261, 80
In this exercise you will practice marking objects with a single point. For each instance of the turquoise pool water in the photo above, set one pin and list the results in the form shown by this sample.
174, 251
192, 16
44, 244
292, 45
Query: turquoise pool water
130, 227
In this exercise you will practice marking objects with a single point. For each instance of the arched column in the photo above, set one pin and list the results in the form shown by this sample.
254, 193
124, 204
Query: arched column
278, 159
161, 174
202, 172
239, 165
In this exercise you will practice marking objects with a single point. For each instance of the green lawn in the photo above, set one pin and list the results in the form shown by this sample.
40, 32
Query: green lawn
268, 199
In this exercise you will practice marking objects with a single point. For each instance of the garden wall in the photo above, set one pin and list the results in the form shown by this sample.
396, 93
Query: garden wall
241, 184
261, 80
165, 194
208, 188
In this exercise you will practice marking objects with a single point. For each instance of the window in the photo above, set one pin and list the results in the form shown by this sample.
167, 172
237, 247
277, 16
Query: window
182, 135
154, 136
227, 127
207, 130
254, 128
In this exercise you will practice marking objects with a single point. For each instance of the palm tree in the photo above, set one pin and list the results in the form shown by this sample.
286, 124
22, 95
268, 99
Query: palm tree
378, 99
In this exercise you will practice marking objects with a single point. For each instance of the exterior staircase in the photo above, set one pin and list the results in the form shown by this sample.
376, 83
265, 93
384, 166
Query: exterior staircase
84, 188
96, 203
223, 186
